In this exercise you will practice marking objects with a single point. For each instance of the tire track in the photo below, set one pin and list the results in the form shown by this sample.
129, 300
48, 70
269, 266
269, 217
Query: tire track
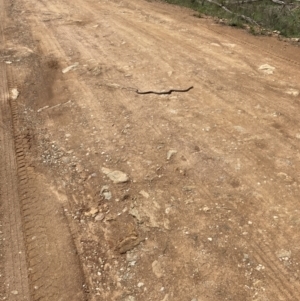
15, 269
39, 259
47, 238
276, 273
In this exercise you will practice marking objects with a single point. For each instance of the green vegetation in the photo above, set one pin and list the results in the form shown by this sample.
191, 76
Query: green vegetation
259, 14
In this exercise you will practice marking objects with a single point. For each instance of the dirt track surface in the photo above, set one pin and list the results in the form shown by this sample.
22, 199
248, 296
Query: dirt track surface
208, 208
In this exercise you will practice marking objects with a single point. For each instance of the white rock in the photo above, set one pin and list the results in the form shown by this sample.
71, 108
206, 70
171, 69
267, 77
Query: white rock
231, 46
292, 92
284, 254
70, 68
129, 298
170, 153
157, 269
166, 298
167, 224
105, 192
131, 257
140, 284
260, 267
99, 217
205, 208
92, 212
116, 176
295, 39
267, 69
14, 94
144, 194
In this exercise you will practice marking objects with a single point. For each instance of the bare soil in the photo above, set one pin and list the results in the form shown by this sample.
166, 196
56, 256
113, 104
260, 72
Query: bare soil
207, 209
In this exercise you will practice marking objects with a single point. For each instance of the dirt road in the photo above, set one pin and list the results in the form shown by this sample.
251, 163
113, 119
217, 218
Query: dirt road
204, 201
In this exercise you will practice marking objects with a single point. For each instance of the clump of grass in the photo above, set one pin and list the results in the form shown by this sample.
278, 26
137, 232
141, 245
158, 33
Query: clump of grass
236, 22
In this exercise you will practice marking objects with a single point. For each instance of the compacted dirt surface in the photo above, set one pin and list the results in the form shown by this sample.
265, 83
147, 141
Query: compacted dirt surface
108, 194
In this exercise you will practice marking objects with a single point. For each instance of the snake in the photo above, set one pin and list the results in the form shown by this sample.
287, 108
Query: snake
164, 92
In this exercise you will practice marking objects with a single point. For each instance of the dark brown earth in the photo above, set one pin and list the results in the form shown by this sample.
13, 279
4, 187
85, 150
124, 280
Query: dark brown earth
207, 207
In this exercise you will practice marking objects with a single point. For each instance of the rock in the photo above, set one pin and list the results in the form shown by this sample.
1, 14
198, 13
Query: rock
167, 224
260, 267
70, 68
99, 217
239, 129
166, 298
131, 257
79, 168
229, 45
128, 244
205, 209
105, 192
135, 213
14, 94
267, 69
144, 194
129, 298
284, 254
157, 269
114, 85
188, 188
140, 284
92, 212
110, 217
15, 292
116, 176
292, 92
65, 160
171, 153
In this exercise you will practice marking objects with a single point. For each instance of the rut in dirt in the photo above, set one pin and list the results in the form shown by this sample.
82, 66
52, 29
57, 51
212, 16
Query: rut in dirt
38, 256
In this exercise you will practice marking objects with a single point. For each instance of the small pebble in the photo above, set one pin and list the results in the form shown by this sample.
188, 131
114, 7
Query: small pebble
140, 284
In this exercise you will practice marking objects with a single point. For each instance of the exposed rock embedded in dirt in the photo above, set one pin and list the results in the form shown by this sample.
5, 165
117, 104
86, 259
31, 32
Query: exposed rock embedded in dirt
157, 269
115, 175
69, 68
14, 93
171, 153
267, 69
